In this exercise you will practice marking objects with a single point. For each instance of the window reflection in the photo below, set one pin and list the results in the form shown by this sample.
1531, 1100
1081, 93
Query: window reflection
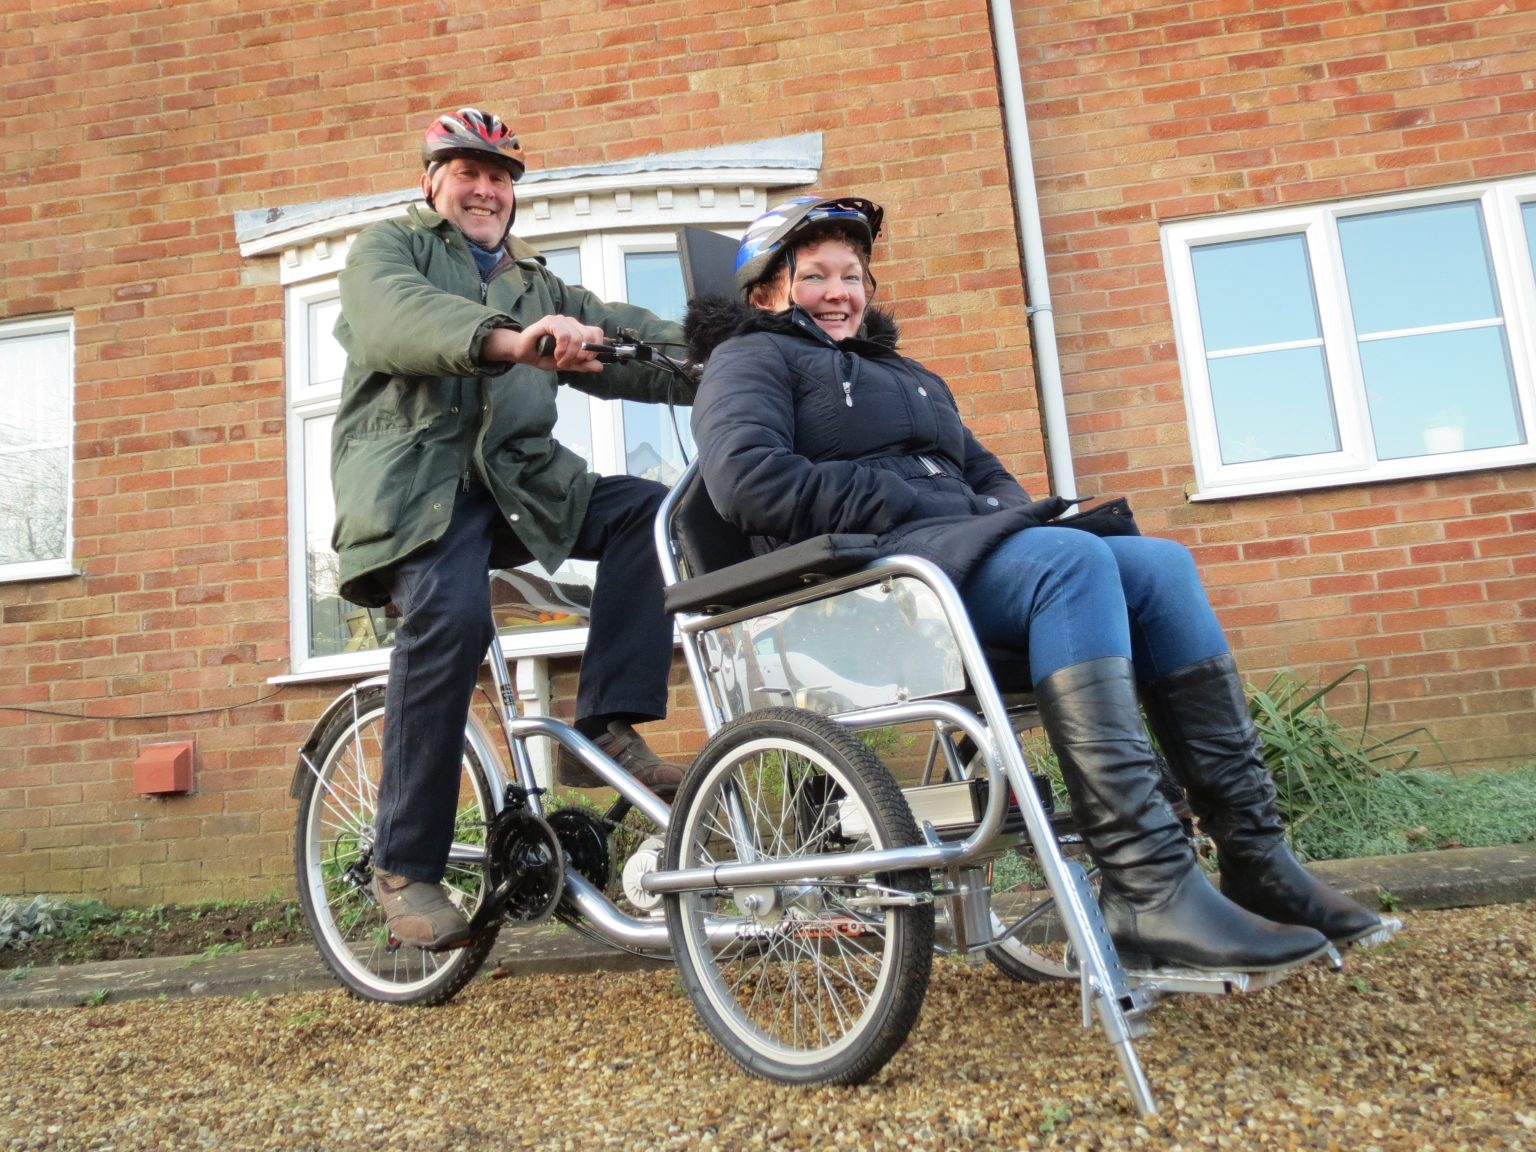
657, 439
1255, 292
1433, 352
1269, 403
1418, 267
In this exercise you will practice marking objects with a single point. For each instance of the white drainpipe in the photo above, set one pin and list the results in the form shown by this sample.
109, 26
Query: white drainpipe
1042, 320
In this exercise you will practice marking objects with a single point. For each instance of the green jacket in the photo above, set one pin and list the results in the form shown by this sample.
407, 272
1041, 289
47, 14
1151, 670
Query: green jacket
420, 415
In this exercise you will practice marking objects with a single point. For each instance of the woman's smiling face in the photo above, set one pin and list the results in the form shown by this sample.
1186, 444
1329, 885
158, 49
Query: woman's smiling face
831, 285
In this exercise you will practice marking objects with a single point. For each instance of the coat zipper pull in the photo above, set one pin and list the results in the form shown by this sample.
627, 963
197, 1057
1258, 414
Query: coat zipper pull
848, 393
933, 469
466, 479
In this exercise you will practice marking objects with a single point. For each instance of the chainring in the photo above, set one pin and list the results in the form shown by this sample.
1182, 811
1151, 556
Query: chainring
526, 868
584, 836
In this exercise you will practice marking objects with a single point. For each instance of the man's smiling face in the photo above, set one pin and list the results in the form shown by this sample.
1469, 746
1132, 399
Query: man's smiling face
475, 195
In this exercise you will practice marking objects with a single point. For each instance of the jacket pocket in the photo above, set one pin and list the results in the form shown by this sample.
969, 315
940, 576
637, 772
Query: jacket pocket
373, 477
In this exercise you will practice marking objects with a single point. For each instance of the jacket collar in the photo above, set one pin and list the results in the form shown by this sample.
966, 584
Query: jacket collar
434, 221
711, 320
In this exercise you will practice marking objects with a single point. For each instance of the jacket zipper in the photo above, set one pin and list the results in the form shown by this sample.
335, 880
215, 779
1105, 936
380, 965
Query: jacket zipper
933, 469
848, 393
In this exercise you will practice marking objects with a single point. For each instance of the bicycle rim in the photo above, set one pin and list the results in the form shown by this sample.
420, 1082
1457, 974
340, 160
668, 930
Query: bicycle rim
808, 985
333, 860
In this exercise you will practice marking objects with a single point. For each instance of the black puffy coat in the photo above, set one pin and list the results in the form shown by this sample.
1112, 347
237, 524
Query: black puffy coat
799, 435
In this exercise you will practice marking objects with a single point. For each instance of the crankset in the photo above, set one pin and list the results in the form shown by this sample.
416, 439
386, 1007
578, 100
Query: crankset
525, 870
584, 836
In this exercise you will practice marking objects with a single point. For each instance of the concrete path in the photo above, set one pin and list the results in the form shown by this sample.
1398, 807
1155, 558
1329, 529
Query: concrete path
1455, 878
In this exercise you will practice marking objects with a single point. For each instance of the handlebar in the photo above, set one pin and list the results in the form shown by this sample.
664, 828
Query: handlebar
621, 351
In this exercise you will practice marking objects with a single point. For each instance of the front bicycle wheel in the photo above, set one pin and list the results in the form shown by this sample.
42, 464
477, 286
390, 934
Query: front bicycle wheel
333, 860
813, 981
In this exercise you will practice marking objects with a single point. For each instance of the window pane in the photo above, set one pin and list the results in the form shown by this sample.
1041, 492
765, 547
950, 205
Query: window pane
35, 446
655, 442
564, 263
1271, 405
573, 425
335, 625
327, 361
34, 491
1254, 292
1529, 213
1440, 392
1418, 267
34, 378
530, 598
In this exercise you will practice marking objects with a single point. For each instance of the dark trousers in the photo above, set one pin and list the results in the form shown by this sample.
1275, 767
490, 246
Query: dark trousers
443, 595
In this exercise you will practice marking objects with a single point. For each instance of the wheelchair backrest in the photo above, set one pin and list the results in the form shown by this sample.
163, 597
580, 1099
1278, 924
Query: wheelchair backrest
702, 539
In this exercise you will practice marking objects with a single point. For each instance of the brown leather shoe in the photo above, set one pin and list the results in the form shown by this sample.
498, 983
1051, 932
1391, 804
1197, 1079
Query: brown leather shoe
420, 914
625, 747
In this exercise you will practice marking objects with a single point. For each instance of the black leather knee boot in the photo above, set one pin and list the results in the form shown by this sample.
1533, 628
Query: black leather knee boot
1201, 719
1156, 901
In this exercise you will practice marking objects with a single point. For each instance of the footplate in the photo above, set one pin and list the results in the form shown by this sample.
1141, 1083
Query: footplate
1133, 1001
1390, 927
1156, 982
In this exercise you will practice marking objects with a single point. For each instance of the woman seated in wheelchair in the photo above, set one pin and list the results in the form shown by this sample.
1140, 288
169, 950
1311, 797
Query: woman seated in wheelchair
809, 421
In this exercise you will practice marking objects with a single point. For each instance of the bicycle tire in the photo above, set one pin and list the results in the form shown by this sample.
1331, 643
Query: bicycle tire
807, 989
1039, 954
332, 863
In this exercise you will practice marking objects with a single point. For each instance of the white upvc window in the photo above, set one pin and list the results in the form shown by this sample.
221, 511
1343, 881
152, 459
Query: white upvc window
615, 234
1358, 341
36, 447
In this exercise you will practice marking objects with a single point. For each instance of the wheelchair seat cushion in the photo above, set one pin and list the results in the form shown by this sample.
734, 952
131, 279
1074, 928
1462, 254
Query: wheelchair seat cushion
782, 570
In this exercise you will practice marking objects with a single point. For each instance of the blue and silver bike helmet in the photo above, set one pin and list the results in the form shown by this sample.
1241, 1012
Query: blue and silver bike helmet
796, 221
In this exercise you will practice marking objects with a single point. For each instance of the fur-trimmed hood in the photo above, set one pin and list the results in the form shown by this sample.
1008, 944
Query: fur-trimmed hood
712, 320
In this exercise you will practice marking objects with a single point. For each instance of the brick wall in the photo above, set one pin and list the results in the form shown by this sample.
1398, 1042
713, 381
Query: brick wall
134, 130
1143, 113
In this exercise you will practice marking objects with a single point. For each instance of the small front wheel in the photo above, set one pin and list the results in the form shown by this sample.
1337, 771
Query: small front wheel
816, 980
333, 860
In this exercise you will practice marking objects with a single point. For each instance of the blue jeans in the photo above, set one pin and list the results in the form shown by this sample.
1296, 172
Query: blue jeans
1066, 596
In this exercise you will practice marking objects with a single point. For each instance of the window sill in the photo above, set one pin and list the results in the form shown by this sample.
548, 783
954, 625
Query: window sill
38, 570
1380, 474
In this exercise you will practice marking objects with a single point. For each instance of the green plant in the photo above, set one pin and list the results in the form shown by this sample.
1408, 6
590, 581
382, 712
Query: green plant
1320, 769
1053, 1114
213, 951
21, 923
1310, 755
97, 998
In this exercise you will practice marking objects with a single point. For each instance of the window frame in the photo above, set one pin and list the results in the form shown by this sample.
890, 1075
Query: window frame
1501, 204
60, 566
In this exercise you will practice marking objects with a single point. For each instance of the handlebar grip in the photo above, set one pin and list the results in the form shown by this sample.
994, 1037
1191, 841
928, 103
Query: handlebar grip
544, 345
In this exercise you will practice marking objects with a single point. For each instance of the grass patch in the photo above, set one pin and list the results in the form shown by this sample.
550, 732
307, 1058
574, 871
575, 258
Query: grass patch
1416, 810
1345, 793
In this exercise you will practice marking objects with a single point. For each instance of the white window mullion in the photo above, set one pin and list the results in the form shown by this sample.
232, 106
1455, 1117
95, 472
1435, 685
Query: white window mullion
1341, 351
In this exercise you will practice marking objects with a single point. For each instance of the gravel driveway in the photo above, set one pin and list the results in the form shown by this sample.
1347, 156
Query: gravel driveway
1426, 1043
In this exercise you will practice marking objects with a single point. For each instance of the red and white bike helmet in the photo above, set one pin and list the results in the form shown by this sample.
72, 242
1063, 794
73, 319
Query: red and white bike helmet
471, 133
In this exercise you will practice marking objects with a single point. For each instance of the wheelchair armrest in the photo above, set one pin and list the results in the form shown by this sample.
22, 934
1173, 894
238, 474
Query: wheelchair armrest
795, 566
